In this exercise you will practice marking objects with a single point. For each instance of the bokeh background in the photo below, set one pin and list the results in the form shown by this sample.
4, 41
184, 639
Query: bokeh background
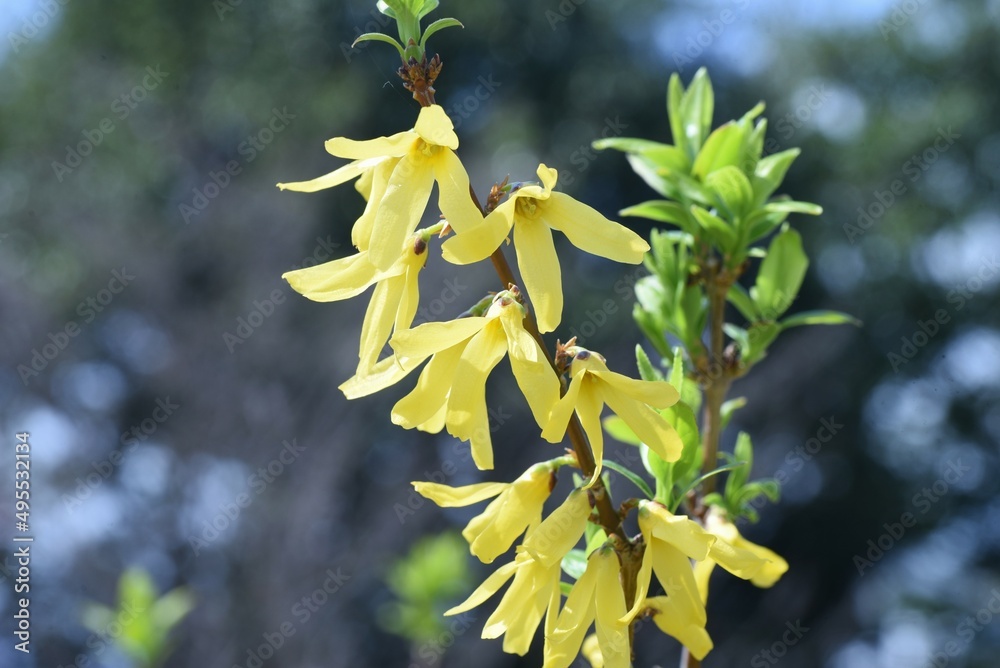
159, 414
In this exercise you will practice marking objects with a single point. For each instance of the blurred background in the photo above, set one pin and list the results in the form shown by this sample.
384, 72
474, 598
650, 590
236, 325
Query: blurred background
182, 400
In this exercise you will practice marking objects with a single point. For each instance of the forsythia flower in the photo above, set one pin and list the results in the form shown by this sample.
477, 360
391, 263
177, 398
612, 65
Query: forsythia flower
517, 506
671, 542
537, 573
403, 170
596, 597
394, 302
594, 385
451, 389
770, 572
534, 211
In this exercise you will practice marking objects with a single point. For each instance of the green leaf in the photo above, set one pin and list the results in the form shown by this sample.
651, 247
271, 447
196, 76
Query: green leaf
694, 484
789, 206
729, 409
697, 108
682, 419
566, 588
575, 563
781, 274
770, 172
677, 371
379, 37
646, 369
596, 537
743, 451
740, 336
675, 97
819, 318
718, 231
740, 298
631, 476
732, 189
438, 25
651, 328
761, 335
618, 430
662, 472
662, 211
723, 148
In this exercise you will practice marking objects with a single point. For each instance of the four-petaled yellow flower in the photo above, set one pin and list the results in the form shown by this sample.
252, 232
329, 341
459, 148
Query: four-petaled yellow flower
517, 507
537, 572
394, 302
719, 525
592, 386
451, 391
403, 170
596, 597
534, 211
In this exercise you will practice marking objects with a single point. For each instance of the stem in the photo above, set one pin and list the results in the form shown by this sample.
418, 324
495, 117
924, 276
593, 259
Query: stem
716, 377
688, 661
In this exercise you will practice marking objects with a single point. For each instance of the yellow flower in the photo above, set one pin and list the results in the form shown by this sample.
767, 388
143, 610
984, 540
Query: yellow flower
394, 302
671, 542
771, 566
537, 573
517, 506
451, 391
403, 170
594, 385
596, 597
534, 211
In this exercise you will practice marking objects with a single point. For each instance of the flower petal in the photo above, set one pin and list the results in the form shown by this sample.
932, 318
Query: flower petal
589, 406
702, 575
395, 146
333, 281
563, 644
379, 317
489, 587
457, 497
431, 337
675, 574
655, 521
674, 622
434, 127
591, 232
361, 233
335, 178
560, 531
400, 210
454, 194
480, 240
655, 393
646, 423
386, 373
492, 533
562, 412
548, 176
612, 634
468, 418
532, 370
431, 392
539, 265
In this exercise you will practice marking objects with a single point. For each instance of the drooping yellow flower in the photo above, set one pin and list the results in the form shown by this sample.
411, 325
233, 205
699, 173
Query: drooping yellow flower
517, 507
592, 386
534, 211
770, 571
596, 597
451, 391
403, 170
393, 304
537, 572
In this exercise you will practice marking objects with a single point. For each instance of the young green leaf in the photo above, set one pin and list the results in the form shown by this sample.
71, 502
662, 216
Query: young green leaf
780, 275
819, 318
